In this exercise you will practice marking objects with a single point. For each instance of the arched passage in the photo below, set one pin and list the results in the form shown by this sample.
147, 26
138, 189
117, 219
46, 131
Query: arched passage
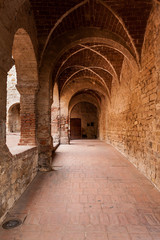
84, 40
14, 123
96, 92
27, 84
13, 101
84, 121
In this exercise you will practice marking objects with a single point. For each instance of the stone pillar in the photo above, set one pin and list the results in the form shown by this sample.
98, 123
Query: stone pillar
5, 155
64, 130
28, 114
55, 125
3, 99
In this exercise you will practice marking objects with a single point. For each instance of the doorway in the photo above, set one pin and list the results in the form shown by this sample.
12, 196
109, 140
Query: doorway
75, 127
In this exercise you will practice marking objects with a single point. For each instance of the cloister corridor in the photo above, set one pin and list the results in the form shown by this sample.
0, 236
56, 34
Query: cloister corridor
93, 193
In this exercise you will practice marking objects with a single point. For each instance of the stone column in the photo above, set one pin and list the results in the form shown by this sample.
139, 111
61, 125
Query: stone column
3, 99
5, 155
28, 114
64, 130
55, 125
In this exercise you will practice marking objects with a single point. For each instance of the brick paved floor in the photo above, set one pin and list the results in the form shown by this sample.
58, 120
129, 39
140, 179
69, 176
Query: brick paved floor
93, 194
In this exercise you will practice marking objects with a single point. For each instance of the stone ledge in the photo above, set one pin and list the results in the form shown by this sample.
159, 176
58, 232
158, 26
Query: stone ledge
21, 149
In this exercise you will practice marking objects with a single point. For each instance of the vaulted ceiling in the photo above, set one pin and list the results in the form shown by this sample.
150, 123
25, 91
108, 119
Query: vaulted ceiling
122, 21
70, 14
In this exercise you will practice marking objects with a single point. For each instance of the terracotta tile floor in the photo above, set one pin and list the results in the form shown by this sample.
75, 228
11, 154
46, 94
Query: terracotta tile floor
93, 194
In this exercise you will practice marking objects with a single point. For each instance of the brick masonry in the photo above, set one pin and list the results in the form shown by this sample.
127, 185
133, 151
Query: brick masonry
133, 121
79, 56
18, 170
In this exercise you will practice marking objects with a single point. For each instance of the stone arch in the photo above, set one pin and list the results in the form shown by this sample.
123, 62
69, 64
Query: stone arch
54, 49
10, 23
14, 15
14, 123
27, 84
25, 59
13, 96
78, 85
58, 46
66, 96
85, 98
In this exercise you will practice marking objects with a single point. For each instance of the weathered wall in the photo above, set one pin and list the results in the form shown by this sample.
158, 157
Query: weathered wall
13, 97
55, 117
87, 112
134, 114
15, 176
13, 15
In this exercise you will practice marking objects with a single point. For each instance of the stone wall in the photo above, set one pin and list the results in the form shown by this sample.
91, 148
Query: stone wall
55, 125
15, 175
13, 97
55, 117
17, 171
133, 118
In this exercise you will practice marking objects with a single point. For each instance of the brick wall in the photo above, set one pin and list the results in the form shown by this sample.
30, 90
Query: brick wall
133, 116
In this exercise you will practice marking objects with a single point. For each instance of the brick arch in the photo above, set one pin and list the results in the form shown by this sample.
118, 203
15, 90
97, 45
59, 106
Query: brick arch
14, 15
88, 59
84, 96
58, 46
87, 10
87, 96
79, 84
54, 50
27, 84
25, 58
109, 67
14, 118
84, 71
66, 96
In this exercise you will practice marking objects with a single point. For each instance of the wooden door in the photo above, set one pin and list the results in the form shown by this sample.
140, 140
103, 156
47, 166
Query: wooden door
75, 127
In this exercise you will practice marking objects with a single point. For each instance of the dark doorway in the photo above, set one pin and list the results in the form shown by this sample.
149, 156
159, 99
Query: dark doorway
88, 114
75, 126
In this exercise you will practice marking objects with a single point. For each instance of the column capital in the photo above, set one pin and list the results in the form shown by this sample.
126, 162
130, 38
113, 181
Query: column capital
27, 89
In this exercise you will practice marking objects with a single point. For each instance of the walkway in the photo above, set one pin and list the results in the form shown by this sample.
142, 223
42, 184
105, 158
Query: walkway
93, 194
